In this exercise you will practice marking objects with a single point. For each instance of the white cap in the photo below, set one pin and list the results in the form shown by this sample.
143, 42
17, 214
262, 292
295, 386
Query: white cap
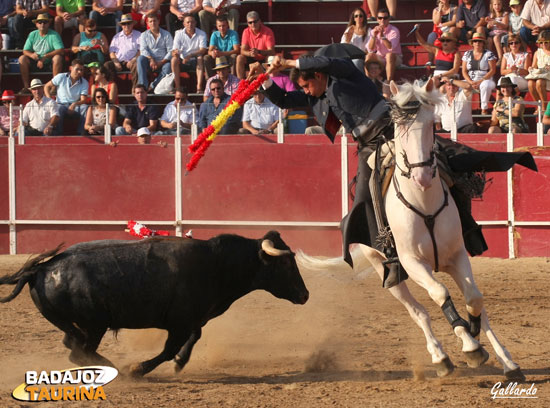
143, 132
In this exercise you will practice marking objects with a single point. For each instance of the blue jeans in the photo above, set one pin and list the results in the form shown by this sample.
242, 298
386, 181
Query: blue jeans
78, 113
143, 69
107, 20
527, 36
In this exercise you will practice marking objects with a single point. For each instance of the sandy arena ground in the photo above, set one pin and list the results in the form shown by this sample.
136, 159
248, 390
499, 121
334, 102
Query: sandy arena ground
351, 345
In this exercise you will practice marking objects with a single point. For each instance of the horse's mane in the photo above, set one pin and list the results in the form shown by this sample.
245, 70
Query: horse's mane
411, 96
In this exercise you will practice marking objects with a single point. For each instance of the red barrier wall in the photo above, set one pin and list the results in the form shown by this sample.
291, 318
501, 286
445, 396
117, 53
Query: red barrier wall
242, 178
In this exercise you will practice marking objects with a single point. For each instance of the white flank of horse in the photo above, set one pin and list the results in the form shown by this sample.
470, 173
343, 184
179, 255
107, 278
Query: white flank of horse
424, 190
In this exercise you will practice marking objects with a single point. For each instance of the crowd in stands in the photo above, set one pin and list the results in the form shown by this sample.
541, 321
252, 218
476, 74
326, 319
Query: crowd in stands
478, 46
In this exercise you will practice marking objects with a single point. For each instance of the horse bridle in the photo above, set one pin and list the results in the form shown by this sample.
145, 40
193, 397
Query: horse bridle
431, 162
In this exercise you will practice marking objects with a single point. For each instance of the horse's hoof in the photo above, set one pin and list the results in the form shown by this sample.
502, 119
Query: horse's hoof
515, 375
136, 370
477, 357
179, 364
444, 367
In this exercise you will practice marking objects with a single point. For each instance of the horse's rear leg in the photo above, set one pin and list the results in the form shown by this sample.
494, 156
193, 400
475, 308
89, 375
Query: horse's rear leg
417, 312
461, 272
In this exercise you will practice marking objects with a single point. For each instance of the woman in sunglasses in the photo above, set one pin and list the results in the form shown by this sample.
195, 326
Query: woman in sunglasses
515, 64
90, 45
104, 78
96, 117
479, 65
447, 57
539, 72
356, 32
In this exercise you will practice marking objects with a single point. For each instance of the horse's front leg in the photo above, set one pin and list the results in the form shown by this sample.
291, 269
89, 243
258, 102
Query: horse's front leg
461, 272
421, 273
418, 313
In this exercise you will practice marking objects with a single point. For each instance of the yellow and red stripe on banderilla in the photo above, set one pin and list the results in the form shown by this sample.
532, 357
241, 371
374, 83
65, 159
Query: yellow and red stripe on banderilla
204, 140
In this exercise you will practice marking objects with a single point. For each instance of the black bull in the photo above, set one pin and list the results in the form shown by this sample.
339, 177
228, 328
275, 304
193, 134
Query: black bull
166, 283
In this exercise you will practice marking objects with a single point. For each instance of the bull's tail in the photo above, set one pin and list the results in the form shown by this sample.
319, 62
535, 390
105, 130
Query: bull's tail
316, 263
25, 274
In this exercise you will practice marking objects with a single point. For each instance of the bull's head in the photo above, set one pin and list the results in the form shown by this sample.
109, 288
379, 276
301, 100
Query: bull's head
280, 275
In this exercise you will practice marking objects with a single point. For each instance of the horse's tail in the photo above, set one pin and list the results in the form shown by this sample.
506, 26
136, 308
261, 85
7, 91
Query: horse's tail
25, 274
361, 265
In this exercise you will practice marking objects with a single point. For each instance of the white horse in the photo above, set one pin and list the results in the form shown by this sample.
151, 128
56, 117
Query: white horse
416, 180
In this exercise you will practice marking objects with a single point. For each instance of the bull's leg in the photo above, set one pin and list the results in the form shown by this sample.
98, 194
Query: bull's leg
93, 339
421, 273
461, 271
173, 344
417, 312
182, 357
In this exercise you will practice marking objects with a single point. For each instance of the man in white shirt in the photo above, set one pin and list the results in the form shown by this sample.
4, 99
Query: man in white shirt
536, 18
178, 10
456, 108
124, 48
40, 115
260, 116
169, 118
214, 8
189, 48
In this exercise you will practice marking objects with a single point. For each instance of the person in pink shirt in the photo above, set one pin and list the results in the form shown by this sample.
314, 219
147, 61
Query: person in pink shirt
257, 44
384, 44
8, 98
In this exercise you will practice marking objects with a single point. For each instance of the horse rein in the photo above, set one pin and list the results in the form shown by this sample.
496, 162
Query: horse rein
429, 220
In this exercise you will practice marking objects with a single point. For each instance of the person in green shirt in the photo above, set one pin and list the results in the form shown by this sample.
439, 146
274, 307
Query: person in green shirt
70, 13
43, 51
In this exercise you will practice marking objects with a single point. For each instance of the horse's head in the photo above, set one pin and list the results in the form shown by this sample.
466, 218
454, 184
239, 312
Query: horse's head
413, 116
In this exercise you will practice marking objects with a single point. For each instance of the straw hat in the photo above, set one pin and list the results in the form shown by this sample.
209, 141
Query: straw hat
126, 18
36, 83
221, 62
477, 37
42, 17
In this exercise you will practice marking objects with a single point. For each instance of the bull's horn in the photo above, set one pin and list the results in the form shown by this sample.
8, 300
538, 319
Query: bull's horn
269, 249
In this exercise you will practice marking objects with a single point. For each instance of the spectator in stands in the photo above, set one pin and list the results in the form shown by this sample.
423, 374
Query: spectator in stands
155, 47
143, 136
384, 44
539, 72
444, 19
223, 73
1, 65
456, 108
42, 52
500, 117
188, 51
497, 23
536, 18
258, 43
282, 80
97, 116
8, 98
107, 12
179, 9
139, 114
90, 45
210, 109
142, 8
215, 8
447, 57
373, 8
69, 13
90, 73
71, 95
356, 33
41, 114
374, 71
7, 10
478, 68
516, 22
223, 43
169, 118
124, 49
471, 18
104, 79
515, 64
260, 116
22, 23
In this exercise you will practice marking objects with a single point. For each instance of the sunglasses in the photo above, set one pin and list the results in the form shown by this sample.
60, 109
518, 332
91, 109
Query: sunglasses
544, 42
125, 24
477, 41
446, 41
218, 88
359, 16
383, 17
252, 22
513, 42
42, 22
